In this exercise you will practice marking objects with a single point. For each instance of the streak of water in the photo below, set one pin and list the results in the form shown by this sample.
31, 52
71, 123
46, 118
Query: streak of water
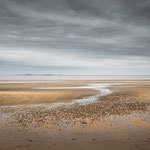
102, 88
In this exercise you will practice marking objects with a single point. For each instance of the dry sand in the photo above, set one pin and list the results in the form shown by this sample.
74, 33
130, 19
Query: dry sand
118, 121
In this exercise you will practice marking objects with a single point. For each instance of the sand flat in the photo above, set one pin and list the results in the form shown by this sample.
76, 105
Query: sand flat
118, 120
41, 96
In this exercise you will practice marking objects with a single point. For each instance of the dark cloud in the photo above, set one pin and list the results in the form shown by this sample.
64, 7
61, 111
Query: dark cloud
88, 33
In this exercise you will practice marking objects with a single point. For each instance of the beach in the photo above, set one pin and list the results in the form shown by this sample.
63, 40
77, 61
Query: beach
75, 114
74, 74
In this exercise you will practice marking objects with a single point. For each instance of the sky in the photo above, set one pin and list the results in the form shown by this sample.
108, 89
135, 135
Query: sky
80, 37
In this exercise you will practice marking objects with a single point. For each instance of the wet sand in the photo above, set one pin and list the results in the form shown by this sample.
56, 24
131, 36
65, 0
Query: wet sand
22, 97
118, 120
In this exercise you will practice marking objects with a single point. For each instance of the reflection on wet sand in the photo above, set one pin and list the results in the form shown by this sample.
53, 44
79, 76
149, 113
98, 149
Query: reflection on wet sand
118, 120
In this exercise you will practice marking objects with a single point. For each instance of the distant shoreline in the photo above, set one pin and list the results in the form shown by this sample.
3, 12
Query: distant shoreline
28, 74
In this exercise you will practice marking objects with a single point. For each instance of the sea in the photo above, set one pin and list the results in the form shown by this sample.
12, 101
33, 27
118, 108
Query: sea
75, 77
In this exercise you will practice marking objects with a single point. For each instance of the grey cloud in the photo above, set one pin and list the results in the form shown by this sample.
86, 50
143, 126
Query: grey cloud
94, 31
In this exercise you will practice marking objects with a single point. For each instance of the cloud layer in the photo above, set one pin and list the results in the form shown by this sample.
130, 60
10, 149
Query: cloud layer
75, 37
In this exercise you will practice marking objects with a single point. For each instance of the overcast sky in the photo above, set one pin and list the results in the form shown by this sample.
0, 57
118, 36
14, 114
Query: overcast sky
75, 36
